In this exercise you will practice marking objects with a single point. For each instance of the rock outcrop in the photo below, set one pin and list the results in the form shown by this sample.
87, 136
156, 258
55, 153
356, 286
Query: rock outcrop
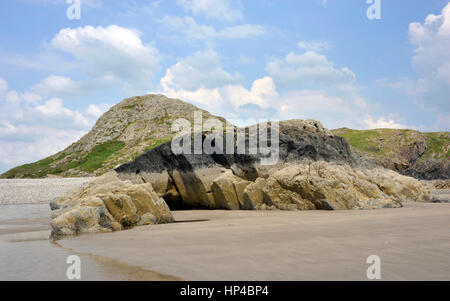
329, 186
107, 204
316, 170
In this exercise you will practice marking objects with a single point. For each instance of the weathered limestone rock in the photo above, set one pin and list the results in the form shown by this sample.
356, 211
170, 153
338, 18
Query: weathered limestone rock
329, 186
107, 204
253, 194
228, 191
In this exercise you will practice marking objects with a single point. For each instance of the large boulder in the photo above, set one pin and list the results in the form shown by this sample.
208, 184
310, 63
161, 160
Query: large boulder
107, 204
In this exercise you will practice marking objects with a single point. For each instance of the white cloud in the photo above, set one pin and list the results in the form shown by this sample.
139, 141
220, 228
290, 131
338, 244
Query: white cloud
313, 46
383, 123
13, 97
31, 97
432, 39
97, 110
54, 109
228, 10
309, 69
113, 52
201, 80
30, 132
3, 85
186, 28
200, 70
431, 60
56, 85
25, 144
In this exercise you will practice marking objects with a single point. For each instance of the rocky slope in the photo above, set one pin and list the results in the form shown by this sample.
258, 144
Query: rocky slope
126, 131
421, 155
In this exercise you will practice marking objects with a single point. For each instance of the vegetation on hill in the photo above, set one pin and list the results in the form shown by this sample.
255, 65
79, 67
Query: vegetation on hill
126, 131
423, 155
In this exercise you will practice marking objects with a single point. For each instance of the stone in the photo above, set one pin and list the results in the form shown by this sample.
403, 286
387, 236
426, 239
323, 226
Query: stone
107, 204
228, 191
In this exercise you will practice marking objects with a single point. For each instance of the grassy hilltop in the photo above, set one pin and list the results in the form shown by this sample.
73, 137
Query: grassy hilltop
423, 155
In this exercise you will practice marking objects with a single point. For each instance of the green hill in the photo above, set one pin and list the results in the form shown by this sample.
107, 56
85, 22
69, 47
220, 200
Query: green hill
422, 155
125, 132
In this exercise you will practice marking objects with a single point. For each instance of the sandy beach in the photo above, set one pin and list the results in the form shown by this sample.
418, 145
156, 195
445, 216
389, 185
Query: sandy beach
413, 243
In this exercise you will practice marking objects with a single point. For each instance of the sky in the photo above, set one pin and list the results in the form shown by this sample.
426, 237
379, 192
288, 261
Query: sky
245, 60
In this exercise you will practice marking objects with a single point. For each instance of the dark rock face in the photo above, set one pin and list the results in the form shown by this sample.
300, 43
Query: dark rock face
429, 169
186, 180
426, 169
424, 156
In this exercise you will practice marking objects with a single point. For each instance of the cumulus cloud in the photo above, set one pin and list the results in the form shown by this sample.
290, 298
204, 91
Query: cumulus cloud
13, 97
431, 60
205, 84
53, 109
112, 53
97, 110
31, 98
229, 10
308, 70
30, 131
57, 85
203, 69
186, 28
25, 144
3, 85
383, 123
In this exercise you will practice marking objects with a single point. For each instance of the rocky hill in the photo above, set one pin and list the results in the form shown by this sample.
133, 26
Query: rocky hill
125, 132
421, 155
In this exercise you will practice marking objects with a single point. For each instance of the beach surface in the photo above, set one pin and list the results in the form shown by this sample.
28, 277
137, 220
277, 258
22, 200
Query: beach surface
413, 243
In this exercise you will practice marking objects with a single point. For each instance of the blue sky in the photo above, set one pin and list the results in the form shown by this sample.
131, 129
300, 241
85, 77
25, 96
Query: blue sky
245, 60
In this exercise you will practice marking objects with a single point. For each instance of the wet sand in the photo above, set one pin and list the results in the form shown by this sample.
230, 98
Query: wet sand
26, 253
413, 244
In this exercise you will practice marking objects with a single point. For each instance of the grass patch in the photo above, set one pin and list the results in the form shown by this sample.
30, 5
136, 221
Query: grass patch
435, 146
156, 143
38, 169
364, 141
95, 159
